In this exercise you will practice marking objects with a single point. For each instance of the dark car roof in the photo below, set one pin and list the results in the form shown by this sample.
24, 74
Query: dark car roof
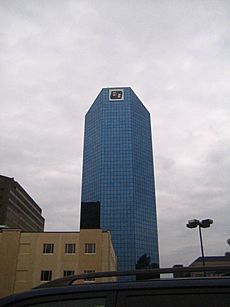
66, 286
173, 283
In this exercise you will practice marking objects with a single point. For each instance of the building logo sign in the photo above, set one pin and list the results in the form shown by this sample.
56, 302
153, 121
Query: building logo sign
116, 94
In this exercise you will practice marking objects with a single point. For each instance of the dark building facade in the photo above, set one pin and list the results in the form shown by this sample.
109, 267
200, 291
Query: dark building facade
118, 172
90, 216
17, 208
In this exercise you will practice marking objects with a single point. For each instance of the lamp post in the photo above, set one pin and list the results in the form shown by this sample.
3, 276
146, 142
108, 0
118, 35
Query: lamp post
201, 224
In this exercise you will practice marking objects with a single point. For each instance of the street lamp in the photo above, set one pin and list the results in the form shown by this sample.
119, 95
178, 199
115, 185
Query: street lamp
201, 224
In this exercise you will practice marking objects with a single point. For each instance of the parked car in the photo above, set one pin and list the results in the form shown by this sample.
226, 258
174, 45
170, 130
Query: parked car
178, 292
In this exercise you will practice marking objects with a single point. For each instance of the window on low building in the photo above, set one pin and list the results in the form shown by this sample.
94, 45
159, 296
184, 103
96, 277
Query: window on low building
90, 248
70, 248
48, 248
46, 275
68, 273
90, 278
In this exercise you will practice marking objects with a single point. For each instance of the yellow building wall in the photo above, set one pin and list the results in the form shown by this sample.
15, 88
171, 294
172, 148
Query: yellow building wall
104, 259
22, 269
9, 245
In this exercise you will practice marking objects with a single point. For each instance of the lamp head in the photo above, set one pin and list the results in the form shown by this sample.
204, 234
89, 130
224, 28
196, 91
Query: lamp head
206, 223
192, 223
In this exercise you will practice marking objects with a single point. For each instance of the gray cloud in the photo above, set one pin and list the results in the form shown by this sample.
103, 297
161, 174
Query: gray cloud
55, 56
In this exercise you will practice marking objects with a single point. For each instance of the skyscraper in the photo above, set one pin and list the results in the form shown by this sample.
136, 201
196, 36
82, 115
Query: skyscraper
118, 172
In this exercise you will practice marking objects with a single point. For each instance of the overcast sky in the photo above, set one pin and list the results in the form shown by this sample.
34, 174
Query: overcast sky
55, 56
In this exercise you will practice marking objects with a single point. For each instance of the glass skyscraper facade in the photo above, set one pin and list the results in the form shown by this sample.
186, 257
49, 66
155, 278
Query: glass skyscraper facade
118, 172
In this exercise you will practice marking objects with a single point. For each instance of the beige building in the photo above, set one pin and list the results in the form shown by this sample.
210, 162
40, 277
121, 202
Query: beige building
31, 258
215, 261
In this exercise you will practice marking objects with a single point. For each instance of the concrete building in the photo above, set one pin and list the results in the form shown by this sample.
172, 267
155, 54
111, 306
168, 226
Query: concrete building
214, 261
210, 261
118, 173
17, 208
31, 258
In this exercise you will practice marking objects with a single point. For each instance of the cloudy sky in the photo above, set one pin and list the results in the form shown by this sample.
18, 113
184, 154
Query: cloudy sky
55, 56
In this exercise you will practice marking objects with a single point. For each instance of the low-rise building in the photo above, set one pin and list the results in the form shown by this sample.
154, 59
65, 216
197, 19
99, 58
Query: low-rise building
31, 258
213, 261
